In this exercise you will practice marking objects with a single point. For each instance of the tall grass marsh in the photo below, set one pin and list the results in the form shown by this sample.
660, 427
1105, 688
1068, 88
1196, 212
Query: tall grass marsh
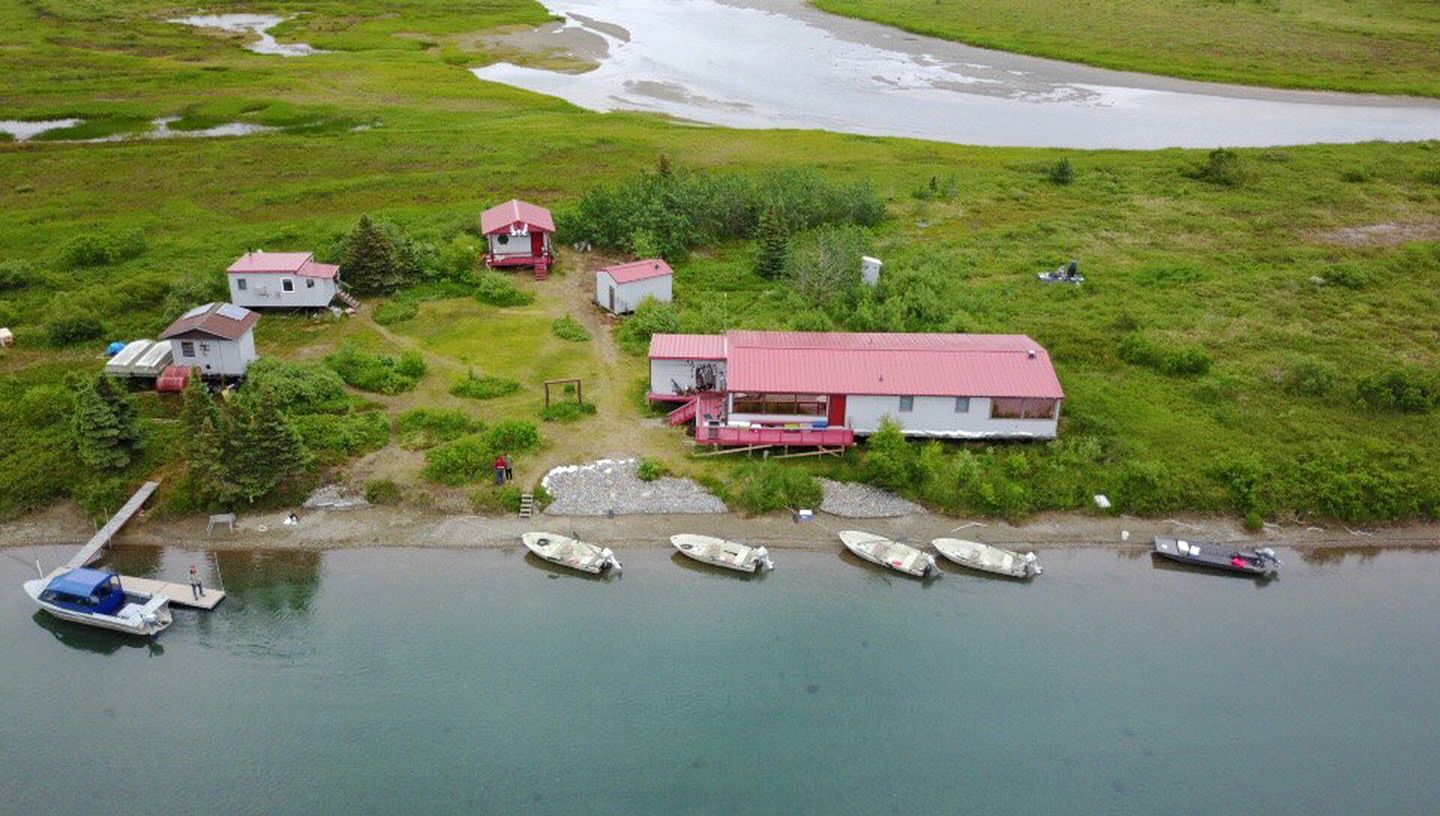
1281, 365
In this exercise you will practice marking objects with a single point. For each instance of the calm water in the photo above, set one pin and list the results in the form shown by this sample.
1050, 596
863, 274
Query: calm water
781, 64
479, 682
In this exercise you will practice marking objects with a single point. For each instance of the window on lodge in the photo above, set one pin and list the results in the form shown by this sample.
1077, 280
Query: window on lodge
784, 404
240, 284
1022, 408
187, 348
288, 285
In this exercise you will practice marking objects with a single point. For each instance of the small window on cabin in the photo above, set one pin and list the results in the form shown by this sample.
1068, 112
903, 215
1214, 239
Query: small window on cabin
962, 405
187, 348
503, 240
288, 285
309, 283
907, 404
204, 348
240, 284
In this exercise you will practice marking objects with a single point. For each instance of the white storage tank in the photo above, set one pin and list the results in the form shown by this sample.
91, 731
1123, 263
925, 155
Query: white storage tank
870, 270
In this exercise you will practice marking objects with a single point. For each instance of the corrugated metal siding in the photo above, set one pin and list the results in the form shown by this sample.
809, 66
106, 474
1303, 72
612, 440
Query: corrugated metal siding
931, 373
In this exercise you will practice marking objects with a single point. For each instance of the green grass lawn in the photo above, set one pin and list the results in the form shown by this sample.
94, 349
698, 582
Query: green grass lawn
1177, 260
1374, 46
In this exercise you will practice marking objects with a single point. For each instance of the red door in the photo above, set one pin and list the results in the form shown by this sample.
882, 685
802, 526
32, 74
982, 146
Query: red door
836, 415
537, 244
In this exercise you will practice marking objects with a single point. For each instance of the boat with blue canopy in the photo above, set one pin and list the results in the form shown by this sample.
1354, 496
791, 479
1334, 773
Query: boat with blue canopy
96, 598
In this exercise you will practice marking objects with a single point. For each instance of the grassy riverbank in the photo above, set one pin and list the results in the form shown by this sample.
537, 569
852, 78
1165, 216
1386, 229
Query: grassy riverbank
391, 123
1371, 46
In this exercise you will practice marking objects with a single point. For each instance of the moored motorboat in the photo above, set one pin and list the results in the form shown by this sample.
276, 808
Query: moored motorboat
569, 552
1226, 557
722, 553
987, 558
96, 598
890, 554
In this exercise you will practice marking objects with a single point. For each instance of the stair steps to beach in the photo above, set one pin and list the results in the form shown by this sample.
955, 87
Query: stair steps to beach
347, 299
684, 413
527, 505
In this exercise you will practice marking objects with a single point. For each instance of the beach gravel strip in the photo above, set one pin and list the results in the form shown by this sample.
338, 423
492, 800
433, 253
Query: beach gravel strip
852, 500
335, 497
611, 486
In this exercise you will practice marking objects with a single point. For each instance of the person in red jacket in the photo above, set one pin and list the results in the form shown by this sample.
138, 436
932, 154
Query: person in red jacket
500, 470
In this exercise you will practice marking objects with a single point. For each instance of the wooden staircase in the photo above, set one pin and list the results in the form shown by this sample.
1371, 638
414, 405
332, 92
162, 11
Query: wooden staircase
684, 413
347, 298
527, 505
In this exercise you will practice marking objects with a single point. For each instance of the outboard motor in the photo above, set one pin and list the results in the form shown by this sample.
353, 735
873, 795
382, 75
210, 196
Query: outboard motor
1032, 565
932, 569
611, 559
763, 556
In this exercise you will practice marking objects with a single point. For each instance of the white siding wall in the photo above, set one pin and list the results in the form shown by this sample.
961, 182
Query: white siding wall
936, 417
629, 295
514, 245
267, 290
216, 357
681, 371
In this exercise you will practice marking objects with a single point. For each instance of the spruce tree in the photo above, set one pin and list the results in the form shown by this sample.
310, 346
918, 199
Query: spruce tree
209, 466
96, 431
369, 261
774, 244
276, 438
127, 412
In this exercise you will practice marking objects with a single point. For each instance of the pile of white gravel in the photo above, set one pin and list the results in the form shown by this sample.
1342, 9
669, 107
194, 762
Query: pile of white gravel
610, 486
851, 500
335, 497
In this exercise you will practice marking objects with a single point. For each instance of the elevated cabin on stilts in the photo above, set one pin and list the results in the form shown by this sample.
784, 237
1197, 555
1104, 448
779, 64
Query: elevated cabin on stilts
520, 234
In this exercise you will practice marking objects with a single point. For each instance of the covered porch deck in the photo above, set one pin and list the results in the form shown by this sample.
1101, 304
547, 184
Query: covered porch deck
717, 428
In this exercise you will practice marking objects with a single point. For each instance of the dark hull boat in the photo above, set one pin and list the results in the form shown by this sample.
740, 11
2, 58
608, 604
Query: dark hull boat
1260, 562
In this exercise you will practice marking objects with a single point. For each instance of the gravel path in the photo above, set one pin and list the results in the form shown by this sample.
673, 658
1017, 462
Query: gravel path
851, 500
611, 486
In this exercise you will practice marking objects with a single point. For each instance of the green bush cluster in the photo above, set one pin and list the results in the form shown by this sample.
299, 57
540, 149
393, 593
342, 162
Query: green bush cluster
102, 248
1062, 173
72, 329
669, 213
421, 428
1408, 390
763, 487
396, 310
1349, 275
649, 470
347, 434
483, 387
471, 458
1176, 361
299, 387
568, 328
16, 275
1221, 167
651, 317
1311, 378
376, 372
492, 499
497, 290
567, 411
382, 491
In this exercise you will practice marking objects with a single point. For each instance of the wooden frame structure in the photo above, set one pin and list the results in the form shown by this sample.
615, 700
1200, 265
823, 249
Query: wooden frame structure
579, 393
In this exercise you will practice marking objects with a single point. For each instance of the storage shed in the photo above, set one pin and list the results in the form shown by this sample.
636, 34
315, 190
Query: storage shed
519, 233
283, 280
218, 339
621, 288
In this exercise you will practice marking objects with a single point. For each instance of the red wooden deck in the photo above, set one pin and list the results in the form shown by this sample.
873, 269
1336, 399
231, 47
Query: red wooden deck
541, 263
728, 436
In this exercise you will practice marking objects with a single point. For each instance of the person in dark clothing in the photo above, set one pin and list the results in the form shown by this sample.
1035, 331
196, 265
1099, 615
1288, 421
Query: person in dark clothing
509, 468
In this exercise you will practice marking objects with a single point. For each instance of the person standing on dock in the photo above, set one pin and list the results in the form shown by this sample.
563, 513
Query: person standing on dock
196, 589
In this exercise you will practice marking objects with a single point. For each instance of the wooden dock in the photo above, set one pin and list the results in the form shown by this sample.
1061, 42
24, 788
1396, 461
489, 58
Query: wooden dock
179, 594
102, 537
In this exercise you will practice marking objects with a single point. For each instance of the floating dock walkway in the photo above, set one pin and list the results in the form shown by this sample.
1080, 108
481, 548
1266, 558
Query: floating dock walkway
179, 594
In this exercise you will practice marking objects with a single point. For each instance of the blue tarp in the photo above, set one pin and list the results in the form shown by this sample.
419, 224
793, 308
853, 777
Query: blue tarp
80, 582
114, 348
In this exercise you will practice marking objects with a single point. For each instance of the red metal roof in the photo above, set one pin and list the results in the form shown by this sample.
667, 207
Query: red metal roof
961, 365
301, 264
687, 347
502, 217
223, 320
638, 270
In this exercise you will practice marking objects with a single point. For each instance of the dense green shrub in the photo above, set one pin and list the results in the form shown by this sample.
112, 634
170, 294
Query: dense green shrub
648, 470
668, 214
1177, 361
763, 487
376, 372
568, 328
427, 427
651, 317
1221, 167
72, 329
890, 459
382, 491
495, 500
348, 434
497, 290
396, 309
1310, 378
471, 458
1408, 390
824, 264
513, 436
16, 275
102, 249
299, 387
1062, 173
567, 411
484, 387
1349, 275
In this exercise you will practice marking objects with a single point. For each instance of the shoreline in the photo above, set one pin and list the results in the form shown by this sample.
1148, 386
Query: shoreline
399, 527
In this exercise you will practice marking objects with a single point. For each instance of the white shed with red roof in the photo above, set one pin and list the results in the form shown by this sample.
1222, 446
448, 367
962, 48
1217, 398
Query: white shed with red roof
282, 280
790, 386
621, 288
519, 234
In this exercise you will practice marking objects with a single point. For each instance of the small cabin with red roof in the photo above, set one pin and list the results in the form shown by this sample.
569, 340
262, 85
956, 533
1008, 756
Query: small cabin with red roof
620, 288
283, 280
519, 234
817, 389
217, 339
